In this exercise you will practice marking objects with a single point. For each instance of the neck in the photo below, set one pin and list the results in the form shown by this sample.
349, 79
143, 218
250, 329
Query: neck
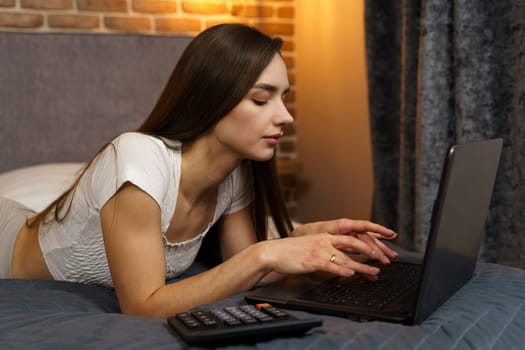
204, 168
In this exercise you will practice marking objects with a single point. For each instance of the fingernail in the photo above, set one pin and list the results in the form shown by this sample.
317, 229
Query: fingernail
350, 273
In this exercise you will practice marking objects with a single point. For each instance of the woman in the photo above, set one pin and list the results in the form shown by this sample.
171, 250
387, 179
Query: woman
137, 214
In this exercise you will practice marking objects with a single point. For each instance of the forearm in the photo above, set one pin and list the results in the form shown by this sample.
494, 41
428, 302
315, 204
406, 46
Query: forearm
239, 273
264, 260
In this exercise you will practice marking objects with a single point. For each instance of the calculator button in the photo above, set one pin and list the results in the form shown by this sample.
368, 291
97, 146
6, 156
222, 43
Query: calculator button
188, 320
265, 318
248, 320
258, 315
241, 315
220, 314
232, 322
273, 311
205, 318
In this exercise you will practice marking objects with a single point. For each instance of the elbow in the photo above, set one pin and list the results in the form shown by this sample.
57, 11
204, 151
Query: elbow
139, 310
146, 308
154, 306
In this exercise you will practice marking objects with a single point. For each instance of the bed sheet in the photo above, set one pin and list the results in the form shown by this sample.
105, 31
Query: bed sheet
487, 313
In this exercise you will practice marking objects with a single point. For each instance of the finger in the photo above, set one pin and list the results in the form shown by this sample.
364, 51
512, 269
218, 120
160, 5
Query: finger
382, 236
355, 244
378, 250
369, 246
356, 266
370, 277
337, 268
335, 227
347, 226
378, 230
386, 249
343, 265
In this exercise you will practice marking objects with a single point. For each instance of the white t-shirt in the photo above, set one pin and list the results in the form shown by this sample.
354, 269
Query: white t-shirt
74, 250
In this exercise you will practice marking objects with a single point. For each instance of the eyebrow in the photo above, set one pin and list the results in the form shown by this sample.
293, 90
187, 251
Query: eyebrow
270, 88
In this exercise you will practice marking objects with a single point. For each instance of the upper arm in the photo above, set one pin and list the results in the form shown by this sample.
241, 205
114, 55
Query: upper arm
131, 225
236, 232
134, 158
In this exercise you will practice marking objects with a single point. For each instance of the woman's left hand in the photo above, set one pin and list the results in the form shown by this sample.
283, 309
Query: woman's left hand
364, 230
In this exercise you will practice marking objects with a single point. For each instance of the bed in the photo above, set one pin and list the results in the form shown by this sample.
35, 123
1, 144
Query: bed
61, 97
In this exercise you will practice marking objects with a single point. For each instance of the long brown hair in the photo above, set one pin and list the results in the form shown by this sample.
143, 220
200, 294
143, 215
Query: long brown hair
214, 73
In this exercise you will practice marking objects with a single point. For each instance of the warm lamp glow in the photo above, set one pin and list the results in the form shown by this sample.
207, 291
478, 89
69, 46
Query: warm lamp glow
332, 110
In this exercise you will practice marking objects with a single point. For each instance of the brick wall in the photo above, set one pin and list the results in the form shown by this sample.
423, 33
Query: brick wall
274, 17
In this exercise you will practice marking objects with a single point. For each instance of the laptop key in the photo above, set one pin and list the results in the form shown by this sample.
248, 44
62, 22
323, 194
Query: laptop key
392, 283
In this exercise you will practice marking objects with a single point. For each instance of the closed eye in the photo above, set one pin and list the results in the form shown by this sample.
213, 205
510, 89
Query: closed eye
259, 102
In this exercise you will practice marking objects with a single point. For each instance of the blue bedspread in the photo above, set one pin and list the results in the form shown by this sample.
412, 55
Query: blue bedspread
487, 313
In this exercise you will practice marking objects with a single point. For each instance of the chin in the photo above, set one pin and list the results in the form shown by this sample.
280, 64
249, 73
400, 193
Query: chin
262, 156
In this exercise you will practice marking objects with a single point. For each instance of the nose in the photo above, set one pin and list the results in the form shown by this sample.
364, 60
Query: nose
283, 116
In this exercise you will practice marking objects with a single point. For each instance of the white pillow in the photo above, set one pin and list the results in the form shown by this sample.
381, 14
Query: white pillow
37, 186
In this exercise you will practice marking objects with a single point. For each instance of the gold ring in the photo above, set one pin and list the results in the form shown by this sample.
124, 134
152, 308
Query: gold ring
332, 258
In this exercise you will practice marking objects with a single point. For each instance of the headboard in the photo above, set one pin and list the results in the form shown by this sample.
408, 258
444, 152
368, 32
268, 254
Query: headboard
64, 95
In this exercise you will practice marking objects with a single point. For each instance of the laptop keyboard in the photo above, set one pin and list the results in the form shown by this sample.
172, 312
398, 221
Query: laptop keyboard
394, 281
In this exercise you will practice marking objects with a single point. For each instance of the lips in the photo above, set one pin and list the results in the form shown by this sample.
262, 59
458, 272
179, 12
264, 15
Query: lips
273, 139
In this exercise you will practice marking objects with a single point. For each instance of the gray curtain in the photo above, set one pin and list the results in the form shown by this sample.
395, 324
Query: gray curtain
443, 72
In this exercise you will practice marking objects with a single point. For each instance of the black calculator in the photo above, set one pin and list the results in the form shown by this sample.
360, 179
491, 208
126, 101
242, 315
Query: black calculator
238, 324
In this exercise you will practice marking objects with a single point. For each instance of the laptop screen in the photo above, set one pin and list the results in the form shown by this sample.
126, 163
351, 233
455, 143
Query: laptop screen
458, 220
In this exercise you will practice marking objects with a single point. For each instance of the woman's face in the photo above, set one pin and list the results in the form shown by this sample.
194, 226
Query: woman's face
253, 128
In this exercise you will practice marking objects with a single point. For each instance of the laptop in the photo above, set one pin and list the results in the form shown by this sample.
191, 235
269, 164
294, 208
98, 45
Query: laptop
457, 229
